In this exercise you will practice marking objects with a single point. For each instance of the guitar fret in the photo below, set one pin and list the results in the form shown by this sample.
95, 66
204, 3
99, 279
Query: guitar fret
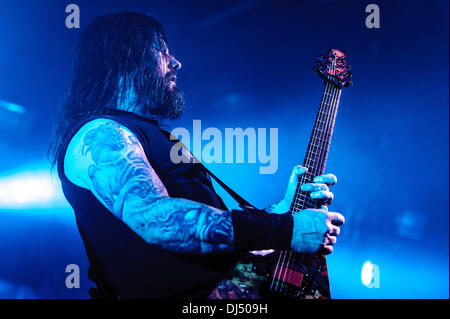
322, 139
314, 151
321, 146
311, 164
312, 155
325, 132
311, 152
318, 138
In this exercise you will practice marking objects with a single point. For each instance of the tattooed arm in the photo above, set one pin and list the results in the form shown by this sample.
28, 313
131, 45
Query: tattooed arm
108, 159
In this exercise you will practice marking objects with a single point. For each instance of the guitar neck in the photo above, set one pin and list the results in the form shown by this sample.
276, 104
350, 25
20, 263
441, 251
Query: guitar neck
319, 145
301, 275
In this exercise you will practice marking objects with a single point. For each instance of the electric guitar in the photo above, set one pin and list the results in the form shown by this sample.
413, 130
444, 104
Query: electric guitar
288, 273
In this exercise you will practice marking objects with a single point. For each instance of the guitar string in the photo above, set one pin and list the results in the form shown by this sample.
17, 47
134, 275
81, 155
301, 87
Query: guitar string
326, 126
276, 275
322, 144
317, 151
336, 100
316, 146
299, 198
322, 147
309, 162
295, 201
330, 123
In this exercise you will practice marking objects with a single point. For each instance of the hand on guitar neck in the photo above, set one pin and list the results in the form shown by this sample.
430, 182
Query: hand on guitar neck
314, 229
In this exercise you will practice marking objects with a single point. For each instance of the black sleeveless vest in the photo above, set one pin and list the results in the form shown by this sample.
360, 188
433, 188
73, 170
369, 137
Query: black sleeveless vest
132, 267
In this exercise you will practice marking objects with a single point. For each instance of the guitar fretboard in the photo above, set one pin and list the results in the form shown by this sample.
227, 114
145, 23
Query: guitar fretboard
319, 145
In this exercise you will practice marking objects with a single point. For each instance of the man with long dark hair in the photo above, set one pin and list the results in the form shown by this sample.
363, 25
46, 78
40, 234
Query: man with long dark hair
153, 228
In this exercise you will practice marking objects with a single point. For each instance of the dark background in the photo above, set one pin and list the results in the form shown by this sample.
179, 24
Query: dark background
248, 64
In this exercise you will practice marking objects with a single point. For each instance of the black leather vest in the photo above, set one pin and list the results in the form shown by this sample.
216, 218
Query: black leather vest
133, 267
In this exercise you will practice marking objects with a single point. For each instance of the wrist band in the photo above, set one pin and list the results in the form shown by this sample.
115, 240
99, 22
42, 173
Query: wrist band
258, 230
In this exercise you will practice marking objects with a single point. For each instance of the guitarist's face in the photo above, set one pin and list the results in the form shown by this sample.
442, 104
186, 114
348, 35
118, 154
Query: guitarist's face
168, 100
168, 65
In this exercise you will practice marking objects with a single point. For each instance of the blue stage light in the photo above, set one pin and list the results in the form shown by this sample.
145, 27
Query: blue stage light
29, 189
12, 107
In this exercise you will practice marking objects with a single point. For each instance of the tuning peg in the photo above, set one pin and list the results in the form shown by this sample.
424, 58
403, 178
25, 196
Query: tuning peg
318, 63
315, 69
322, 56
349, 67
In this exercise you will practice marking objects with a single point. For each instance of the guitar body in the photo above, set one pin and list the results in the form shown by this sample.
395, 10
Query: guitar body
287, 273
253, 274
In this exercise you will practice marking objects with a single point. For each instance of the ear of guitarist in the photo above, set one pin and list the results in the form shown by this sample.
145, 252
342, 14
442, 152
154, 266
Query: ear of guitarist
152, 228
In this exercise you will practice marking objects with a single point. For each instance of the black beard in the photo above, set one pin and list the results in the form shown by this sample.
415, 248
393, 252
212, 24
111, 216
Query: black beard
168, 101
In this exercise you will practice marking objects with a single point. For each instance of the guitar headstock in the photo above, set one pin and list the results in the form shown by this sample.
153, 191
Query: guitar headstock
334, 68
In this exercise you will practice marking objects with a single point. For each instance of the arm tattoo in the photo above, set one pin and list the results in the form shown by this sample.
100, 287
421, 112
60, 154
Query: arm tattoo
129, 187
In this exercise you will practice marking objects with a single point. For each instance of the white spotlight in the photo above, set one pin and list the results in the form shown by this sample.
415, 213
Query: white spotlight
27, 190
370, 275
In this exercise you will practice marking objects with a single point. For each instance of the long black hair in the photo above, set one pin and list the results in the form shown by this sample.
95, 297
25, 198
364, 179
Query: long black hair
114, 53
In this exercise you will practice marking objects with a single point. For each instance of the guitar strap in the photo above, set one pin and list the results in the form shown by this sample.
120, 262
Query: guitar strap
241, 201
245, 205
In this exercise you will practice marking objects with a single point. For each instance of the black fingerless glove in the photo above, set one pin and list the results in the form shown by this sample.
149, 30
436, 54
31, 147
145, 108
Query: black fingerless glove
258, 230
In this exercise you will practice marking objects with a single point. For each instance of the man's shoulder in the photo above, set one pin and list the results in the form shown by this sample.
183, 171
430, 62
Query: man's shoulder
99, 133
